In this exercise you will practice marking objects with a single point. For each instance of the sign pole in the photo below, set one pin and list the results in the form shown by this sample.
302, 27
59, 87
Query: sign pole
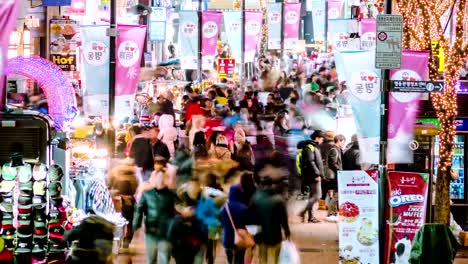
383, 149
112, 60
241, 77
200, 42
282, 32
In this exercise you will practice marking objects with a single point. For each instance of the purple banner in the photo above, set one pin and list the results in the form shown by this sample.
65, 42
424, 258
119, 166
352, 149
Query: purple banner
253, 31
334, 9
404, 107
368, 28
8, 16
292, 19
210, 32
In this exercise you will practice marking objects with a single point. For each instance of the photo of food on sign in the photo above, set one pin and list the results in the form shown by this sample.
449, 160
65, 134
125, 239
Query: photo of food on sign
348, 212
349, 256
62, 36
368, 233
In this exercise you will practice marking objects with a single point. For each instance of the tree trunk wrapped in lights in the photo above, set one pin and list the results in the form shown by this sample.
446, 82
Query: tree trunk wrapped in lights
421, 27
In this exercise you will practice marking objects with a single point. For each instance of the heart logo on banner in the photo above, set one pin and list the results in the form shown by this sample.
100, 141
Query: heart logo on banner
371, 78
128, 53
364, 85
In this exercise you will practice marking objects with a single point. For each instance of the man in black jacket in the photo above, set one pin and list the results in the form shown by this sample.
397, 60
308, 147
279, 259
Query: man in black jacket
141, 152
334, 164
351, 157
312, 171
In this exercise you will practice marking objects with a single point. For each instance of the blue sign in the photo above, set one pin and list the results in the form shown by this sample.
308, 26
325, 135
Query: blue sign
461, 124
56, 2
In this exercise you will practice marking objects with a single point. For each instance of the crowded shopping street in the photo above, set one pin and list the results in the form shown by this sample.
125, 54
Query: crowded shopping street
233, 131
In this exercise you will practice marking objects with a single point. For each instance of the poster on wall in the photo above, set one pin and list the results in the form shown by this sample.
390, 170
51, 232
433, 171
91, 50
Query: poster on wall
157, 28
358, 201
406, 197
63, 43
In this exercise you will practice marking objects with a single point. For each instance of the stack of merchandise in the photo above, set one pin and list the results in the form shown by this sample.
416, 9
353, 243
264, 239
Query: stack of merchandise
7, 188
39, 204
57, 212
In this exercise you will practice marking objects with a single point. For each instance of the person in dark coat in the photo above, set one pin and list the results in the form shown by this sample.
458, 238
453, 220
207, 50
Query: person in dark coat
239, 213
334, 164
141, 152
312, 171
159, 148
351, 156
272, 217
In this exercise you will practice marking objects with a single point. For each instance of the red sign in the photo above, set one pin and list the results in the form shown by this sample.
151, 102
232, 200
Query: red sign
406, 198
226, 68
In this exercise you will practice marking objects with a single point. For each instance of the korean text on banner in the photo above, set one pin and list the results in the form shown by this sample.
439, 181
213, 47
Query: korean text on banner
406, 198
232, 25
253, 31
368, 28
64, 35
157, 28
188, 39
8, 16
129, 44
358, 201
404, 107
363, 81
95, 69
274, 25
292, 20
335, 9
210, 32
338, 34
318, 19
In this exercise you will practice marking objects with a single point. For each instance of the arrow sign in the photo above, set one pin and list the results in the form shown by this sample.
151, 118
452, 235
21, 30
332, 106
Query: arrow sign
417, 86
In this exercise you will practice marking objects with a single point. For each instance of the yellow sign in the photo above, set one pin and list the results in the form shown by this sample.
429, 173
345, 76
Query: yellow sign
438, 53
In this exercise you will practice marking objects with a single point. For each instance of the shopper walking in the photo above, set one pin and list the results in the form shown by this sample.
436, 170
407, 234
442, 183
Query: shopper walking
272, 217
334, 164
351, 157
156, 208
142, 153
312, 172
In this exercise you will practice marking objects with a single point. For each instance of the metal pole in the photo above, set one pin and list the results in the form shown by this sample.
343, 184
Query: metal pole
383, 148
282, 32
200, 32
112, 61
325, 42
242, 70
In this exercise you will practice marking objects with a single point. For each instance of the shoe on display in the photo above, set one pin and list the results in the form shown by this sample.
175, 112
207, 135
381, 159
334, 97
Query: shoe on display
26, 188
24, 203
55, 173
8, 172
39, 172
39, 188
25, 173
55, 188
7, 187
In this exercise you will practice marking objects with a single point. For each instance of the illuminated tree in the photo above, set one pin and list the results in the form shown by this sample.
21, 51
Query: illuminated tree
422, 26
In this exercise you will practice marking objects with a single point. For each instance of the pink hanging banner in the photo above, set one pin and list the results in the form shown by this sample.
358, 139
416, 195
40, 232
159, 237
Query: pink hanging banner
368, 28
129, 45
334, 9
210, 31
8, 16
404, 107
253, 31
292, 19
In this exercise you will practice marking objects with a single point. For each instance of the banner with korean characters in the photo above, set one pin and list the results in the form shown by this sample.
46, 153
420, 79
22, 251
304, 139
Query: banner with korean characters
318, 19
188, 40
338, 34
406, 196
358, 207
210, 31
335, 9
157, 27
292, 21
274, 25
226, 68
368, 28
129, 44
253, 31
64, 35
357, 69
95, 69
232, 26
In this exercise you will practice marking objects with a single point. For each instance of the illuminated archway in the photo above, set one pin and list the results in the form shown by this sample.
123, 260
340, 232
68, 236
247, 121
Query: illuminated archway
58, 90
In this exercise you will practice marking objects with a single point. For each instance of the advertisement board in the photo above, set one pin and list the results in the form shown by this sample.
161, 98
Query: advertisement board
358, 201
226, 68
63, 43
406, 197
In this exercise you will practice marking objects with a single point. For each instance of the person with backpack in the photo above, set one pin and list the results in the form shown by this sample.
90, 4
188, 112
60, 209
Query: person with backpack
310, 167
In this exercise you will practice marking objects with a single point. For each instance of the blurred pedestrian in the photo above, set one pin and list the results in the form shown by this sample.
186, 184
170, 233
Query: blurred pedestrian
351, 156
334, 164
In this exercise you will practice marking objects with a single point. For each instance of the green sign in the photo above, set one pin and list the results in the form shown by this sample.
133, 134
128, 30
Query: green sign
428, 121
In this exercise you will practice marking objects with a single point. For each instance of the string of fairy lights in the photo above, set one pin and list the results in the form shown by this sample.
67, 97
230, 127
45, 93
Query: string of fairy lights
422, 26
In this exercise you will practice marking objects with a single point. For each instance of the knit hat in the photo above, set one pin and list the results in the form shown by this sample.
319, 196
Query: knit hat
25, 173
55, 173
8, 172
39, 172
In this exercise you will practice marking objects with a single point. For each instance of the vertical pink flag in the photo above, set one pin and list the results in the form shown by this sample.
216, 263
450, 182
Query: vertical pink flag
210, 31
129, 45
292, 19
8, 16
368, 28
404, 107
334, 9
253, 31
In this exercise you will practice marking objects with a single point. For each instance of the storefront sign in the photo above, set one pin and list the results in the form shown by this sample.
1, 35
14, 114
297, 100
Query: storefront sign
188, 39
63, 43
210, 31
292, 20
157, 29
274, 25
417, 86
56, 2
226, 68
406, 197
318, 18
388, 46
368, 27
232, 26
77, 8
438, 53
359, 216
253, 31
334, 9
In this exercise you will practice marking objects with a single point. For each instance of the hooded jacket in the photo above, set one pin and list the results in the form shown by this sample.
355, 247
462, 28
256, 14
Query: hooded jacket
238, 212
167, 132
312, 163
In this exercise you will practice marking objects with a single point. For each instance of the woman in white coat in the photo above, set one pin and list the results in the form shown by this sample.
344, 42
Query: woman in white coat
167, 132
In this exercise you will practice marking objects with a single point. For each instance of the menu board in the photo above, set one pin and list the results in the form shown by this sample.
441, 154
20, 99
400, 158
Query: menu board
63, 43
359, 216
406, 198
